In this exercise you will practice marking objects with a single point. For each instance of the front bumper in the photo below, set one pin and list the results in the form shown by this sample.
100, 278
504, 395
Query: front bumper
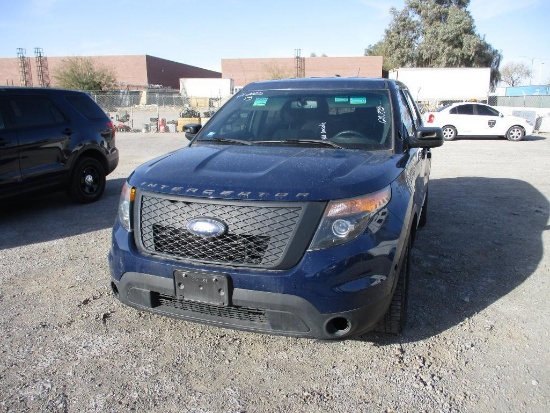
258, 311
334, 293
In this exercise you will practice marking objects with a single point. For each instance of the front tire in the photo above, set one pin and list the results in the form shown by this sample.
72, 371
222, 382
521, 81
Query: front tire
87, 181
394, 320
515, 133
449, 132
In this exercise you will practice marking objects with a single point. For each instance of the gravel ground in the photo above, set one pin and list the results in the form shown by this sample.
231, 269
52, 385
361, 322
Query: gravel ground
476, 341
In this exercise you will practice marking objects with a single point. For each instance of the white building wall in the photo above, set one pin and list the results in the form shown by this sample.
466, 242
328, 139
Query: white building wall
206, 88
435, 84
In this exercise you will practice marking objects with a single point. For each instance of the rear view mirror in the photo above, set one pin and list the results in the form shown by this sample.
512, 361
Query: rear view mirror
426, 137
191, 129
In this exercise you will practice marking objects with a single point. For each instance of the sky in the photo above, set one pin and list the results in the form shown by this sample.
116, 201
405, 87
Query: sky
201, 33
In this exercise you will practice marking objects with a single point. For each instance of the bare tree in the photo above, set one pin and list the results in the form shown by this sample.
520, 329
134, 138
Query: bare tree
275, 71
513, 73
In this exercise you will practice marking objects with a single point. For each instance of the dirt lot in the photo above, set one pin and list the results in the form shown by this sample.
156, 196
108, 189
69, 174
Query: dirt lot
477, 338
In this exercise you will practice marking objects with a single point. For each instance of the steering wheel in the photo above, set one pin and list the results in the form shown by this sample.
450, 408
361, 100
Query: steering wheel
353, 137
350, 133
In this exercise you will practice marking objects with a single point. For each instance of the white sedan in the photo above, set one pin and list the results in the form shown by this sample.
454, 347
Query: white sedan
477, 119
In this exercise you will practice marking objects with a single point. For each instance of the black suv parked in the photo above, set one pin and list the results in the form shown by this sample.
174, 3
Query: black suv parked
54, 139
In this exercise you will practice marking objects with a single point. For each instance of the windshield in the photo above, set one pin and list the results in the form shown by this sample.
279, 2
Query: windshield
337, 119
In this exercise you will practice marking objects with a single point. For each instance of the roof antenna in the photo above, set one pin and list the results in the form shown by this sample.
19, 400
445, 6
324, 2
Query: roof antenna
358, 71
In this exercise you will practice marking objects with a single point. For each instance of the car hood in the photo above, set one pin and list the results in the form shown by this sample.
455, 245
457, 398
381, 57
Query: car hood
268, 173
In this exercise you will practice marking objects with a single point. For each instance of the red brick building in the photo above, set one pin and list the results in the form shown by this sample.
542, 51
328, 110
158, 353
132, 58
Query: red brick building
133, 71
142, 71
244, 71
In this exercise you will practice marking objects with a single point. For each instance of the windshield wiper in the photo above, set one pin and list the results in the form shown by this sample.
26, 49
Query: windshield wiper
314, 141
299, 142
217, 139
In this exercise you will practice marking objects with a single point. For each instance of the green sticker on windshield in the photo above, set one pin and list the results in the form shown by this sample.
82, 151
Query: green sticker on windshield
260, 102
358, 100
341, 99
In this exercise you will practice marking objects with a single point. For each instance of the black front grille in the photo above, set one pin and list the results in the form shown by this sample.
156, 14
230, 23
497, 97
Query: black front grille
235, 313
257, 235
244, 249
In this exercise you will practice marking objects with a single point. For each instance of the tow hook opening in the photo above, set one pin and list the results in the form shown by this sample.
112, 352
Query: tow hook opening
115, 289
338, 326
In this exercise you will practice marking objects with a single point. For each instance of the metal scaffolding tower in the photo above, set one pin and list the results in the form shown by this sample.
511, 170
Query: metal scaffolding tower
42, 68
300, 63
25, 75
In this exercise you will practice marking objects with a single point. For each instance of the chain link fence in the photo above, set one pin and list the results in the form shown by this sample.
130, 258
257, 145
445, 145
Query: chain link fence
153, 109
527, 101
114, 100
134, 110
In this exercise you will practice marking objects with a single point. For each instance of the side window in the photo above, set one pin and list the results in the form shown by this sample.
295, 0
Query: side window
465, 109
486, 111
406, 115
6, 116
32, 111
413, 108
87, 106
2, 115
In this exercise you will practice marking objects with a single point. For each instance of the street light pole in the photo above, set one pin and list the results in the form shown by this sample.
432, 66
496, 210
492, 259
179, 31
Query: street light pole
532, 59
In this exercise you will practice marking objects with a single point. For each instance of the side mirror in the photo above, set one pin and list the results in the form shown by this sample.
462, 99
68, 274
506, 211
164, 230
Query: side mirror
426, 137
191, 129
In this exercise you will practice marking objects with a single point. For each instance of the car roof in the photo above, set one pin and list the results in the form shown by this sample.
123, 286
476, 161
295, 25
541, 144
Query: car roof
325, 83
34, 90
467, 103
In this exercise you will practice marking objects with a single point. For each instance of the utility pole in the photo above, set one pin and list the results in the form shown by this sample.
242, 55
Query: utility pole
531, 75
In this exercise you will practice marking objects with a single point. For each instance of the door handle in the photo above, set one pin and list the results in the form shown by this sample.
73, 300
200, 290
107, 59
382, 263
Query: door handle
67, 131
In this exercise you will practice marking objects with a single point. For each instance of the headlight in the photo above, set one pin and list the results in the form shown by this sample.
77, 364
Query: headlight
125, 206
345, 220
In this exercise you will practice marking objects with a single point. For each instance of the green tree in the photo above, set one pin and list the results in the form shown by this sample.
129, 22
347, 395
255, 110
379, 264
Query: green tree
83, 73
513, 73
435, 33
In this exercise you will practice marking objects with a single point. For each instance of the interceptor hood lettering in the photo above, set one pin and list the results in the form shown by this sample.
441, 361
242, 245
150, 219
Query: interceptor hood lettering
268, 173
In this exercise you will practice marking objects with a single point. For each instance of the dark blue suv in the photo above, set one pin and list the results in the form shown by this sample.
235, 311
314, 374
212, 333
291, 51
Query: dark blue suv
292, 211
54, 139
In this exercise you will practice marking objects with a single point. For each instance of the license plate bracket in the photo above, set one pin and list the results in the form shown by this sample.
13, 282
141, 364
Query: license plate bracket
202, 287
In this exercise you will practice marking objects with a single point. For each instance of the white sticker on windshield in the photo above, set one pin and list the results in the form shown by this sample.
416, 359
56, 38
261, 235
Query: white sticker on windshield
381, 114
323, 127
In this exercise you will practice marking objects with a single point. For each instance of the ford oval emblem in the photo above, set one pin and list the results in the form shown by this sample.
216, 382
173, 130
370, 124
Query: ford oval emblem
206, 227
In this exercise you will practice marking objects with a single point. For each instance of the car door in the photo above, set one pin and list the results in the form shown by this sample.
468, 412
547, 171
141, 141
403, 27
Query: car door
416, 169
464, 120
490, 121
10, 173
423, 155
43, 133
